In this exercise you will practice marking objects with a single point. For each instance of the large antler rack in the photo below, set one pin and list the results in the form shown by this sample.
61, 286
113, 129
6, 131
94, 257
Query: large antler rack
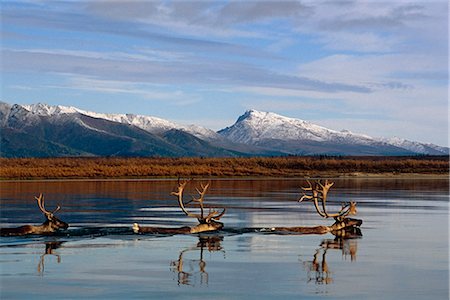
40, 202
209, 221
319, 192
51, 224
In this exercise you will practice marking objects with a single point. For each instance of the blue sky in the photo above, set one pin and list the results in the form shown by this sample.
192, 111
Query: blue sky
373, 67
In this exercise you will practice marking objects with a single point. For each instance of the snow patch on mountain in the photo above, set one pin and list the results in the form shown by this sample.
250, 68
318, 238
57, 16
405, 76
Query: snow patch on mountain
424, 148
42, 109
148, 123
254, 126
202, 132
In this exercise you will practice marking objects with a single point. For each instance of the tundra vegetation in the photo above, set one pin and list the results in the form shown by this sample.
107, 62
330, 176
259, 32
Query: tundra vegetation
289, 166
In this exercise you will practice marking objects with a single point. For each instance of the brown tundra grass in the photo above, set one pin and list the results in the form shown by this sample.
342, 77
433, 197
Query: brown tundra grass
35, 168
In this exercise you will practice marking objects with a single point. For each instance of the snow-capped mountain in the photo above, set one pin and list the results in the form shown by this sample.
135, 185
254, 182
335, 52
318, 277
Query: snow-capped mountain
301, 137
423, 148
254, 126
45, 130
151, 124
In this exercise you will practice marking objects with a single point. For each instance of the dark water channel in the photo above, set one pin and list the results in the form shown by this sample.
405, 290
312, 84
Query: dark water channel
402, 254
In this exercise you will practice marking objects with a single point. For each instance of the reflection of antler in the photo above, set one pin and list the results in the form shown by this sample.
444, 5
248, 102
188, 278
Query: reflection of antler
184, 277
349, 247
207, 223
320, 193
318, 270
49, 247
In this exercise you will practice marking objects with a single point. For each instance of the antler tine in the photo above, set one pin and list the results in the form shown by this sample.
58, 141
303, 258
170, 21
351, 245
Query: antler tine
307, 188
220, 215
57, 208
320, 193
41, 204
40, 201
350, 209
180, 187
214, 214
310, 188
305, 197
346, 209
202, 195
204, 189
316, 195
325, 188
179, 194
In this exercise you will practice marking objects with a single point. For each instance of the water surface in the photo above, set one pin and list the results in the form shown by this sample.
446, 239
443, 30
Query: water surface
402, 254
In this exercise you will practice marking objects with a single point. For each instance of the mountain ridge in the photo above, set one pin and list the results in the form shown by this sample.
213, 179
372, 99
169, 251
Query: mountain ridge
264, 128
255, 133
84, 135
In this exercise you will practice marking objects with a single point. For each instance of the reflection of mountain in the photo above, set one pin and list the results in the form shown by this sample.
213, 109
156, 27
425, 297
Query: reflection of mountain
192, 271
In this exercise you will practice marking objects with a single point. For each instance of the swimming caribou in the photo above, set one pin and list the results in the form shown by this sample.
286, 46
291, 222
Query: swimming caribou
207, 222
341, 227
51, 224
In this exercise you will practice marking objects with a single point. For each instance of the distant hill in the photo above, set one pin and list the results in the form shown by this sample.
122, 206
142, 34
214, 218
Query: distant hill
42, 130
298, 137
29, 134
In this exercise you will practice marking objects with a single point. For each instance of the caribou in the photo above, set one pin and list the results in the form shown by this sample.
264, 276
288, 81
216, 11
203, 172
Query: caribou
343, 226
51, 224
207, 222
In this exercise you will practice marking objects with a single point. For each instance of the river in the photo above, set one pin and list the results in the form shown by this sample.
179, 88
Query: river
402, 252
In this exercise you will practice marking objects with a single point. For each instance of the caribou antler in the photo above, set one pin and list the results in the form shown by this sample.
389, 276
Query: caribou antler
209, 219
207, 223
320, 193
40, 201
51, 224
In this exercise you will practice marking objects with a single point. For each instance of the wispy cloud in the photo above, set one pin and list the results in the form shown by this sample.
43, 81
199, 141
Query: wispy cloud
386, 70
367, 59
149, 92
188, 72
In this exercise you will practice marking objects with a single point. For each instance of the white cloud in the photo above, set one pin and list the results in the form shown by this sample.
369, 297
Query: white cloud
364, 69
149, 92
383, 60
361, 42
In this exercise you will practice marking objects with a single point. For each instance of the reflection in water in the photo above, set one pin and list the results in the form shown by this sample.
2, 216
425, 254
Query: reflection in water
250, 202
110, 261
190, 271
318, 270
49, 247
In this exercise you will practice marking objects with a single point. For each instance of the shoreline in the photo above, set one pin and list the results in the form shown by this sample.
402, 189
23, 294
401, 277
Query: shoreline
235, 168
406, 176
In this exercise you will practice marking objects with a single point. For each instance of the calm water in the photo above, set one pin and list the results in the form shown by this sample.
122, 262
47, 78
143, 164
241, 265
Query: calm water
403, 253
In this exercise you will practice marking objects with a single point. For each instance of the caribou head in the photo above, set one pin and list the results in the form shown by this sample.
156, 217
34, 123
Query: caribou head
51, 224
319, 193
208, 222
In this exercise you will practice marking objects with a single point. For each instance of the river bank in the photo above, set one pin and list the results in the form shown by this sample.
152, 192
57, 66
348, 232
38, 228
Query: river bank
116, 168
